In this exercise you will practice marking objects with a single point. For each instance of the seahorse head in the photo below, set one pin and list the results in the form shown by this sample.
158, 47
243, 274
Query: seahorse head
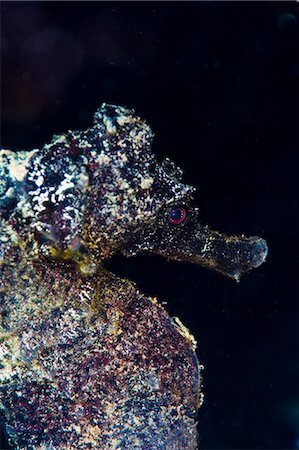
99, 191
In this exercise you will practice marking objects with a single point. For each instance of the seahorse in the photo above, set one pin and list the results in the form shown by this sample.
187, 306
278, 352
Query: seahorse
87, 361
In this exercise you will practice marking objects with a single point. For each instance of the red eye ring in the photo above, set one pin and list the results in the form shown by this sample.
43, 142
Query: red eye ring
177, 215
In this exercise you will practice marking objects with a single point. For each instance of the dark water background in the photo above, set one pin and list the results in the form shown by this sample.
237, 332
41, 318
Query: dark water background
218, 82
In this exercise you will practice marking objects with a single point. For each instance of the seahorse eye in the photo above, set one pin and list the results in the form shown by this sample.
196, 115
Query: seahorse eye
177, 215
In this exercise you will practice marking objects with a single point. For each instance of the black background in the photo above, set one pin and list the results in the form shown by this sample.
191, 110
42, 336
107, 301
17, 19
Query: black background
218, 83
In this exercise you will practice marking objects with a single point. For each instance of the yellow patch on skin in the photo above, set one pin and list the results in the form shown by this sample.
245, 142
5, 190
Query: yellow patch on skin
185, 333
85, 263
114, 328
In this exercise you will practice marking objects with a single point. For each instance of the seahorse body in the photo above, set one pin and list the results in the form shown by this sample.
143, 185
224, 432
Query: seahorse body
87, 361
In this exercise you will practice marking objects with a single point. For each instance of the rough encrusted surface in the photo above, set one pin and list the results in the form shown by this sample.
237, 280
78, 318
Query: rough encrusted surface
87, 361
92, 363
94, 188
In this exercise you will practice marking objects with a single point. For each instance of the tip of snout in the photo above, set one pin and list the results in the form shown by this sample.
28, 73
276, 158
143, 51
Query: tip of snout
259, 252
254, 251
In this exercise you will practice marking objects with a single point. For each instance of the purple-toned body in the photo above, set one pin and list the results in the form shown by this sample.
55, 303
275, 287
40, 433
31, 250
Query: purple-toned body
87, 361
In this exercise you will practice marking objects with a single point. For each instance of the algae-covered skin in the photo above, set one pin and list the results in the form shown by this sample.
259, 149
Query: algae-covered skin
87, 361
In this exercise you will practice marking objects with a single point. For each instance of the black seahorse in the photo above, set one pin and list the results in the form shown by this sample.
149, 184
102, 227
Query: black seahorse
87, 361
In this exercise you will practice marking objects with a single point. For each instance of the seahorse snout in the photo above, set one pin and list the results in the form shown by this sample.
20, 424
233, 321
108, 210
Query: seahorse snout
259, 252
230, 255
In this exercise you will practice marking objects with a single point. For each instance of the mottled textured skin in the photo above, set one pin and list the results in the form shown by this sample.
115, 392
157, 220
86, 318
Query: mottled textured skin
87, 361
99, 366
